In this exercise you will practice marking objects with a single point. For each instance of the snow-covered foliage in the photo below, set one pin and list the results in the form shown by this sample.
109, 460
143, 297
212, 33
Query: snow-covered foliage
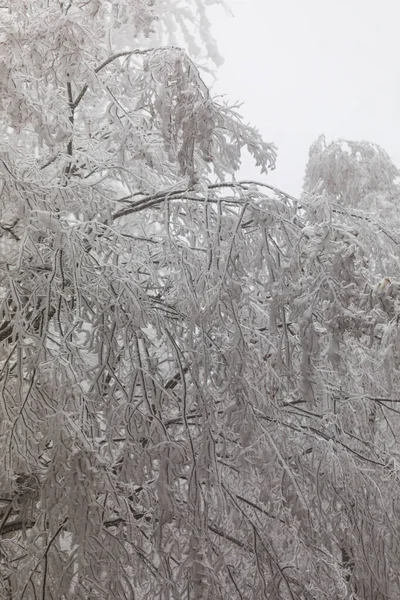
355, 174
198, 376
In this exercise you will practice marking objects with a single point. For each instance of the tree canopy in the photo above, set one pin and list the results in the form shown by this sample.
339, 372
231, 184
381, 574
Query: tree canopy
198, 375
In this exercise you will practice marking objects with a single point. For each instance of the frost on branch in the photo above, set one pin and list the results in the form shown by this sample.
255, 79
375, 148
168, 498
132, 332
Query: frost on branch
198, 376
196, 131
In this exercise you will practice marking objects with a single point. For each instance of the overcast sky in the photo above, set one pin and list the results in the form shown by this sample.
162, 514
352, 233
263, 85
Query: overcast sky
306, 67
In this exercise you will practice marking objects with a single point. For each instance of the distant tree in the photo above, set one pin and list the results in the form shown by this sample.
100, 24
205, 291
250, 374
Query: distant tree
355, 174
198, 376
360, 176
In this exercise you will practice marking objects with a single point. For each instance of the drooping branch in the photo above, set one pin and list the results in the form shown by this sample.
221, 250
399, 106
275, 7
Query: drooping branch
108, 61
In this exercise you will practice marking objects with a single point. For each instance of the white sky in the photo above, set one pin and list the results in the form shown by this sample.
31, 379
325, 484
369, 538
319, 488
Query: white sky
306, 67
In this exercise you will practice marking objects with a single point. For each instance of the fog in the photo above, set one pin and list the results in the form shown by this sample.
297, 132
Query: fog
311, 67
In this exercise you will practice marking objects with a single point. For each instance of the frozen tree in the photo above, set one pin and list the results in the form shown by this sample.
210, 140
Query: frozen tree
359, 176
356, 174
198, 376
361, 374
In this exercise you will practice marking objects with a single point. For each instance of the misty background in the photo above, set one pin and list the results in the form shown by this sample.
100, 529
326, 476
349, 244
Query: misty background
311, 67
